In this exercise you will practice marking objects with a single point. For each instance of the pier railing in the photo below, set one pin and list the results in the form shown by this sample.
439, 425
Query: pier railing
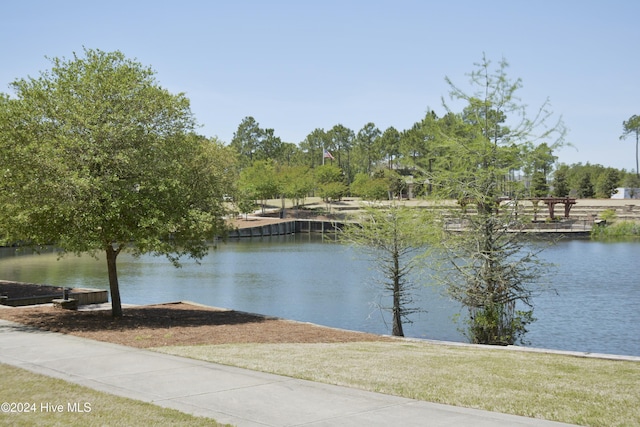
567, 227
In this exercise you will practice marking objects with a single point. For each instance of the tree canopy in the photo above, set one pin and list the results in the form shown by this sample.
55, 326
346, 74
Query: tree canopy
97, 157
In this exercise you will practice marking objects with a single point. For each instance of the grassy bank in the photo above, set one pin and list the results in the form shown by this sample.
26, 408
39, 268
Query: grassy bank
45, 401
617, 229
590, 392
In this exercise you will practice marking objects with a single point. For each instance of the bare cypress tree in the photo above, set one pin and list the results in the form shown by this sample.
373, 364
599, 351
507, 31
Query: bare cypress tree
393, 237
492, 270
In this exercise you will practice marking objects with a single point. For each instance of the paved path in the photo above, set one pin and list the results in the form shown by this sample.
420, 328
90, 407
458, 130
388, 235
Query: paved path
230, 395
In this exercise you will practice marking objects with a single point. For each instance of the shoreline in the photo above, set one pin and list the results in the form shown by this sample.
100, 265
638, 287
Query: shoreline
582, 354
538, 350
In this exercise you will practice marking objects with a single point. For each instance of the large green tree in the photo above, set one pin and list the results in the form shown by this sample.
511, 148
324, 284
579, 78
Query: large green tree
390, 145
314, 145
585, 188
491, 269
297, 182
366, 143
97, 157
261, 181
417, 145
340, 145
537, 164
369, 187
561, 181
330, 181
254, 143
607, 183
246, 140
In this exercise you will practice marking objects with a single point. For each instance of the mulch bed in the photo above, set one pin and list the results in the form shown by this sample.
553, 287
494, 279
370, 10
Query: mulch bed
179, 324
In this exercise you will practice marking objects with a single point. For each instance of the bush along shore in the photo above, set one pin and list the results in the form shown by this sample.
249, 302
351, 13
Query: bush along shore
622, 229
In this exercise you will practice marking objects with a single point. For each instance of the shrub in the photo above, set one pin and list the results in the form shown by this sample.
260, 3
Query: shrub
619, 229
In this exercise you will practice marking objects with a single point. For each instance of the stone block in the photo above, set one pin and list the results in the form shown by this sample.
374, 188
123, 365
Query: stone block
66, 304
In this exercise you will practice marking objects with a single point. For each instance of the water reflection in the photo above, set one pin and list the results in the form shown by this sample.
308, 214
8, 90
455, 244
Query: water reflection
596, 308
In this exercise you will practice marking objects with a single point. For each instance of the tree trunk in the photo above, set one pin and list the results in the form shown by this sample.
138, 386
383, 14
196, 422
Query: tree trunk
397, 318
637, 168
116, 304
397, 314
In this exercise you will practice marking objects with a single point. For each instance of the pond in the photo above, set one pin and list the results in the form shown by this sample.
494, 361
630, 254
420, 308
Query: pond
592, 305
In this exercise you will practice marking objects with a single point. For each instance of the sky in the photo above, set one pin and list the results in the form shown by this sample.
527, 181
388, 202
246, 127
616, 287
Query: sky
295, 66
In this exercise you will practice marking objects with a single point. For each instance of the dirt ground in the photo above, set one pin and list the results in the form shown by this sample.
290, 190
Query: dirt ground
178, 324
172, 324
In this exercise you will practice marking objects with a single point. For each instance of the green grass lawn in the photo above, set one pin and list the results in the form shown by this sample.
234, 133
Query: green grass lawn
42, 396
584, 391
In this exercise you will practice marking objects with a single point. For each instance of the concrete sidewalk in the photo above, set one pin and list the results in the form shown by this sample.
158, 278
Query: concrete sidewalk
227, 394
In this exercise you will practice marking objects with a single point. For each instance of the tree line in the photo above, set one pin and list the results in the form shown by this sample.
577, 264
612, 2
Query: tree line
378, 165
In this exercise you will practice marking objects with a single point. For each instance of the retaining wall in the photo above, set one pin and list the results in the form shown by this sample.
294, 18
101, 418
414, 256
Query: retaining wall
287, 227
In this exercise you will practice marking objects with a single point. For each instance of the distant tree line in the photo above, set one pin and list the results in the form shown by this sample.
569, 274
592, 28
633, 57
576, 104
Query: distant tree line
378, 165
590, 181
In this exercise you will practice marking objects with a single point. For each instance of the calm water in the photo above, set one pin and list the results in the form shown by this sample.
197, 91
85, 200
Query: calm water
595, 305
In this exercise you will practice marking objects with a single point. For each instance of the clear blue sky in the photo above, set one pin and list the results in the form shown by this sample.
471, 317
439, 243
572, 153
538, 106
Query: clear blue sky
299, 65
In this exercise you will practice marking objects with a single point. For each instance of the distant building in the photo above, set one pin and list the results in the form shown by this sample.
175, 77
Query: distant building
626, 193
